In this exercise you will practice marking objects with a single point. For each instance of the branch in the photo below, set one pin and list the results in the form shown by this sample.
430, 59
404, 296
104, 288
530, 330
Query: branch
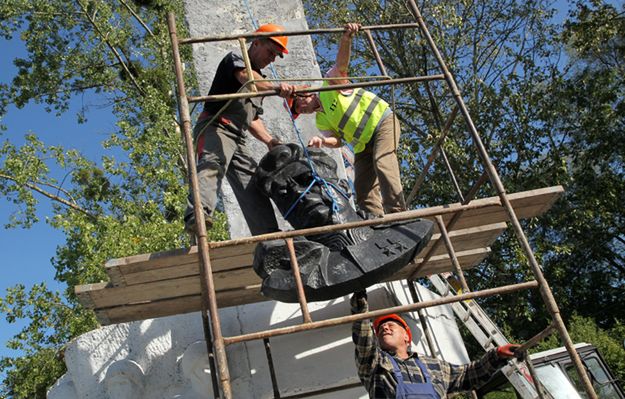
51, 196
617, 266
181, 160
112, 48
58, 188
134, 14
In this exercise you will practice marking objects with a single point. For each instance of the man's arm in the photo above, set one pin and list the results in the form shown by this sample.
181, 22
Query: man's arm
472, 375
367, 352
286, 90
325, 139
258, 130
343, 55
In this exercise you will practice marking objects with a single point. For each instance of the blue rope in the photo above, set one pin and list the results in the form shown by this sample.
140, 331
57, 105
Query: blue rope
316, 178
325, 185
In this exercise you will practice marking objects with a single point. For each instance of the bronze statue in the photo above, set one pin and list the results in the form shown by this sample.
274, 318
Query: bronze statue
309, 194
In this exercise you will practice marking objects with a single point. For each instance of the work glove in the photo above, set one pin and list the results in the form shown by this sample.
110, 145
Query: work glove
358, 302
508, 351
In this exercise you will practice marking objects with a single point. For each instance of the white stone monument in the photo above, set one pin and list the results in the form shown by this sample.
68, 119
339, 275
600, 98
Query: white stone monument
166, 358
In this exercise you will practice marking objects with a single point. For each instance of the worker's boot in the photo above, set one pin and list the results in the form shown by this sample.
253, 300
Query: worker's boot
189, 227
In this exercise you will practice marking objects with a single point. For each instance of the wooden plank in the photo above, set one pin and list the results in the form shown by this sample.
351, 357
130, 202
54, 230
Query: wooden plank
251, 294
95, 296
83, 293
172, 288
166, 283
183, 270
168, 307
162, 298
442, 263
122, 275
174, 306
526, 204
465, 239
137, 263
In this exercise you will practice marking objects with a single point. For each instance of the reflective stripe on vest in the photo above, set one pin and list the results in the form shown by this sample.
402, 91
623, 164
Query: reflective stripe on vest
354, 117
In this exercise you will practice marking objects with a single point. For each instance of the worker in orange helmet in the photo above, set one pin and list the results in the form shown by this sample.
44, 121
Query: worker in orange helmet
220, 134
388, 369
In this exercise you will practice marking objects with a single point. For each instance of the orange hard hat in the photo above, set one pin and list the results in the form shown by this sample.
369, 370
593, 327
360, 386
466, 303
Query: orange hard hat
394, 317
279, 40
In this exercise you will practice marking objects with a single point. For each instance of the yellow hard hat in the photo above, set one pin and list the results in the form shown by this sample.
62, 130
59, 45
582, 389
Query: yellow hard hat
280, 40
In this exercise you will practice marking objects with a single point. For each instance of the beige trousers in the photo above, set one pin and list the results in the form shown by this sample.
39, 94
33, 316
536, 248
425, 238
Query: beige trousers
377, 181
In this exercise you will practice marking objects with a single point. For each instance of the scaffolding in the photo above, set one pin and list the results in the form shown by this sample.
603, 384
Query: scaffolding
465, 229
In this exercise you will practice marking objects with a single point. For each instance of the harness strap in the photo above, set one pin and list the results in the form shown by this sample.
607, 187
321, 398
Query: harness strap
397, 371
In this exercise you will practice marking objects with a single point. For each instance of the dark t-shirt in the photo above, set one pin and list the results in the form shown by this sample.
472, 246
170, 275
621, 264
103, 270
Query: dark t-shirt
241, 112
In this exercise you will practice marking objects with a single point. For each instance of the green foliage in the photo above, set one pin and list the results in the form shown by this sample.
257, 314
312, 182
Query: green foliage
596, 34
128, 202
547, 101
52, 323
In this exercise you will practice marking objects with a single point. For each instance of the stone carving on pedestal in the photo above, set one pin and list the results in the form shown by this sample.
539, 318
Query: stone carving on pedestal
195, 370
124, 380
305, 188
63, 389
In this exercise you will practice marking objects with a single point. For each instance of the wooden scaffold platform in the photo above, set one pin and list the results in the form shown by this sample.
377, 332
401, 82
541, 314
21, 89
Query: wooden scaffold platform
167, 283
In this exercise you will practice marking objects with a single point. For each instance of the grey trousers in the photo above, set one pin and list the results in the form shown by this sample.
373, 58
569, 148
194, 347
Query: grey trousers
223, 152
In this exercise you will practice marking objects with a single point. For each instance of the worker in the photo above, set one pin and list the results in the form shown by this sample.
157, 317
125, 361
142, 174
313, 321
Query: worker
362, 119
220, 138
388, 369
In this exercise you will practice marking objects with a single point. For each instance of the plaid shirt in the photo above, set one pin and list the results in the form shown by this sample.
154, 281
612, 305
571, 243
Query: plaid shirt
376, 371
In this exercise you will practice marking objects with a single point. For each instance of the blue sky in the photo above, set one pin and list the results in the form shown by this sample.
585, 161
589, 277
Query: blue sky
26, 254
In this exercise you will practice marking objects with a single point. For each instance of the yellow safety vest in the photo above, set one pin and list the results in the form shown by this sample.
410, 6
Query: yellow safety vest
353, 117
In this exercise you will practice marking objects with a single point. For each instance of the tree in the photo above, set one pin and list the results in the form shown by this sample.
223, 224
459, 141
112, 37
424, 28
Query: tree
547, 101
128, 202
585, 109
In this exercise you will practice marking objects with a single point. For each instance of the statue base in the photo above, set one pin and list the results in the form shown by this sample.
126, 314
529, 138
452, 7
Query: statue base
330, 271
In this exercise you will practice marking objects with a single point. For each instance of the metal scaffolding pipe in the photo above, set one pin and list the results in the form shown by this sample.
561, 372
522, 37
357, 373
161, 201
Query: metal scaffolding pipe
248, 67
375, 52
545, 290
272, 369
538, 386
452, 253
259, 35
389, 218
422, 317
506, 289
432, 156
454, 219
209, 299
274, 92
301, 295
